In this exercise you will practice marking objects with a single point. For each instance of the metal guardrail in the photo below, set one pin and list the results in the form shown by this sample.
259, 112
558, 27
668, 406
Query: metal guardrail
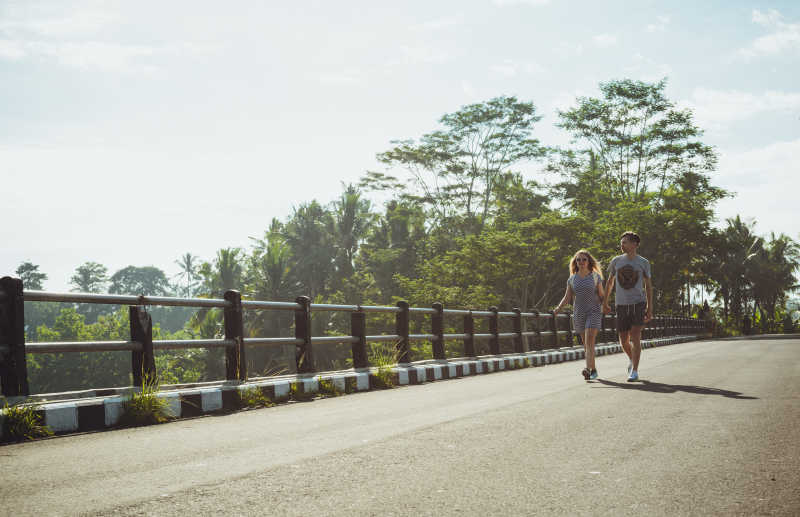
549, 329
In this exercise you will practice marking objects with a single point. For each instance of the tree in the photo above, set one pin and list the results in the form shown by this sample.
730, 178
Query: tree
352, 220
394, 246
309, 234
32, 278
772, 276
454, 170
635, 138
734, 250
147, 280
188, 265
90, 277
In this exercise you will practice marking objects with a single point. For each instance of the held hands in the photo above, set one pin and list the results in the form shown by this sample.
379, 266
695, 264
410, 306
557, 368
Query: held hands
606, 308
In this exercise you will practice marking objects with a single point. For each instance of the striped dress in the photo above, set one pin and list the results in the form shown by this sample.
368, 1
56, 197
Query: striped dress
586, 303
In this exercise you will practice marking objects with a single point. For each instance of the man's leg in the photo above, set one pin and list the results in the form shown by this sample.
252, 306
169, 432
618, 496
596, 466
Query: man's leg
636, 345
624, 340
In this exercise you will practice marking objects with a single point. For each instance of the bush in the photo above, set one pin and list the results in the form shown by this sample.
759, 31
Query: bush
145, 407
22, 423
254, 398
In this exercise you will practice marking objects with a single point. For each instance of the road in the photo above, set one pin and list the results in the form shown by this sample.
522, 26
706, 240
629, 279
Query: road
713, 428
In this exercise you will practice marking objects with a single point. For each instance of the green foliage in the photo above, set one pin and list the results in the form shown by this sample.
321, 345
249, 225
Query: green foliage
383, 358
90, 277
148, 280
254, 398
461, 226
32, 278
327, 388
296, 392
23, 422
145, 407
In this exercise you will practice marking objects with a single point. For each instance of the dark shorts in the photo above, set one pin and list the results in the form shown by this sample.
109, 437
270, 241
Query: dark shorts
630, 316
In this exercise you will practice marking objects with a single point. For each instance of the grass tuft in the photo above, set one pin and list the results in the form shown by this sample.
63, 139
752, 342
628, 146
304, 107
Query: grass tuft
23, 422
296, 393
383, 358
254, 398
327, 388
145, 407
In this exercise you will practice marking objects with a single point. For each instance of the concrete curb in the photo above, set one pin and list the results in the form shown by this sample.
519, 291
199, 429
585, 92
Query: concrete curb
97, 413
759, 336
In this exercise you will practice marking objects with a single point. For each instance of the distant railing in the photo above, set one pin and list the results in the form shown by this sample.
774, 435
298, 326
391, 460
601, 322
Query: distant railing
13, 349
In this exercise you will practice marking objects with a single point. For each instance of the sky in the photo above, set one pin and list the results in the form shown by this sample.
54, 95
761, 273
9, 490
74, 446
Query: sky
134, 132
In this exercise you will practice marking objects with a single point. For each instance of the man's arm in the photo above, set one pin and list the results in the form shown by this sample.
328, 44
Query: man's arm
609, 286
648, 287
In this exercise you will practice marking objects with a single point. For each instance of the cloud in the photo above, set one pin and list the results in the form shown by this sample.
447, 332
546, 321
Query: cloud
604, 40
79, 40
77, 24
782, 36
765, 180
340, 78
504, 3
122, 58
646, 69
716, 109
412, 55
468, 89
566, 50
660, 25
506, 70
440, 24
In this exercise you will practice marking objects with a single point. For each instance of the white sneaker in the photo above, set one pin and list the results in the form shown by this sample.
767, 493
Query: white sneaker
630, 366
634, 376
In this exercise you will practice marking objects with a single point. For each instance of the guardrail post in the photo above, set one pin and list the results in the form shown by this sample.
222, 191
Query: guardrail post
143, 364
570, 336
235, 358
469, 330
437, 329
601, 336
401, 323
554, 328
303, 353
13, 365
358, 329
538, 330
519, 343
494, 329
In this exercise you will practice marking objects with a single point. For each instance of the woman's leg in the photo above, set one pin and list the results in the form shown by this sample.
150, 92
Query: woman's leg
589, 337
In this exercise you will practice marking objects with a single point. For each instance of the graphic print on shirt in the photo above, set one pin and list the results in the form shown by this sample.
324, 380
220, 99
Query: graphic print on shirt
627, 276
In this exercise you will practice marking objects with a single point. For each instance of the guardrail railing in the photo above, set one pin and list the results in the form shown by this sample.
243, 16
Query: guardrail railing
546, 330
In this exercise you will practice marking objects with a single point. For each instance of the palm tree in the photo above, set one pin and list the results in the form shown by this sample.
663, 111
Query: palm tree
188, 265
773, 276
352, 222
309, 234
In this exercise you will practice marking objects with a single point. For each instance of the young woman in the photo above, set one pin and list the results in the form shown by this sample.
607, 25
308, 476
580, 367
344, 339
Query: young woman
585, 286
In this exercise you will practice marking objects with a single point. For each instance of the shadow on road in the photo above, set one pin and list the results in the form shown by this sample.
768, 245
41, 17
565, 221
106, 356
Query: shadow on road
658, 387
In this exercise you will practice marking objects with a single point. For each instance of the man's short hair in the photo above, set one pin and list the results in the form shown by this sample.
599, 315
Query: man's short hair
631, 237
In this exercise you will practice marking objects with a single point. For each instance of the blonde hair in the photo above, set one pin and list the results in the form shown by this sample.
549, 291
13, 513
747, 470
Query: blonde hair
593, 265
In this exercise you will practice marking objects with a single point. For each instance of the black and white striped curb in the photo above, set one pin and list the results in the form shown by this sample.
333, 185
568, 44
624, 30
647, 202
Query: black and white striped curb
98, 413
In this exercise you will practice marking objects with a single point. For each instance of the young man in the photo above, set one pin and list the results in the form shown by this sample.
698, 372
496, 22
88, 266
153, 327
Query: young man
630, 273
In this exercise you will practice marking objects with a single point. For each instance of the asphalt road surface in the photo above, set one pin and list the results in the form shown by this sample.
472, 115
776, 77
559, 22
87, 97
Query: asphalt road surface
713, 428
